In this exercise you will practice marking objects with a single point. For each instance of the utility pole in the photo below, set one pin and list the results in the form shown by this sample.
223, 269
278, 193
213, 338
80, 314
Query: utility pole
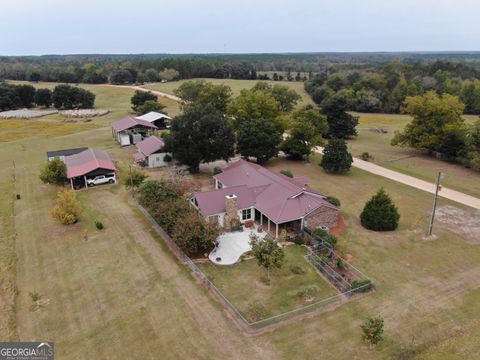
435, 200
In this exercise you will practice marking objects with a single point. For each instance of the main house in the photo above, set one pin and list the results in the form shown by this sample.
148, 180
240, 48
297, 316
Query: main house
246, 191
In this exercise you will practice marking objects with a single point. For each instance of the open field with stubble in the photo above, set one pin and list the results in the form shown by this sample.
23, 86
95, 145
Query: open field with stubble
119, 291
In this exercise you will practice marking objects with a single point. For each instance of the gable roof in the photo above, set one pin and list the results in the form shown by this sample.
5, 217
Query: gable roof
65, 152
148, 146
129, 122
153, 116
213, 202
277, 196
87, 161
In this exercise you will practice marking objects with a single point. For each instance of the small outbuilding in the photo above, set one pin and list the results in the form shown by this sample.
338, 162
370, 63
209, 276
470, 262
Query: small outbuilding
150, 153
160, 120
130, 130
90, 167
60, 154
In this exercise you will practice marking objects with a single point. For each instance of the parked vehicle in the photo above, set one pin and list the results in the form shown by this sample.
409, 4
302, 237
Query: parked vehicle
101, 179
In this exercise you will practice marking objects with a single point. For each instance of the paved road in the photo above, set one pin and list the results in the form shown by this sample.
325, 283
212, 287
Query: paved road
414, 182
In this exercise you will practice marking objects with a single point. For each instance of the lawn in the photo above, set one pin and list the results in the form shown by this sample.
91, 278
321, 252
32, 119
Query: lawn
241, 284
405, 160
236, 86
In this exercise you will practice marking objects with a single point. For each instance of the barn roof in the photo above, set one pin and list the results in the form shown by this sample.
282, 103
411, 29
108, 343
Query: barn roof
87, 161
129, 122
65, 152
153, 116
148, 146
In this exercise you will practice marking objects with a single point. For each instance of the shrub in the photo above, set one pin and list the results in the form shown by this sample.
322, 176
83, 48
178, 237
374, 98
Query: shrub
361, 285
331, 239
154, 192
297, 270
34, 296
134, 179
365, 156
167, 158
54, 172
67, 208
336, 158
299, 240
99, 225
339, 263
307, 293
217, 170
140, 97
333, 200
287, 173
380, 213
256, 311
372, 330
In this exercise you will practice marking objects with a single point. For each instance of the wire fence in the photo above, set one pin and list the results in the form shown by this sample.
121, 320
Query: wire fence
345, 291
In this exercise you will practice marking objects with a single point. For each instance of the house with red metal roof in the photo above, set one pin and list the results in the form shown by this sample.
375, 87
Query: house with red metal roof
245, 191
90, 167
150, 153
130, 130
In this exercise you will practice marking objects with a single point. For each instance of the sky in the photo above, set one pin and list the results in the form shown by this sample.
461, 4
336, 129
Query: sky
36, 27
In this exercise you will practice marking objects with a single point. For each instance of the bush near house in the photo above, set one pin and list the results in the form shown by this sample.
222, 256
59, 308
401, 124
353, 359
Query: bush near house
287, 173
67, 208
380, 213
333, 200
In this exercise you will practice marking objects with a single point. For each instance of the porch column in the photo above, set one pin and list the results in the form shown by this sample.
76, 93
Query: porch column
301, 223
276, 231
268, 224
71, 183
261, 218
85, 179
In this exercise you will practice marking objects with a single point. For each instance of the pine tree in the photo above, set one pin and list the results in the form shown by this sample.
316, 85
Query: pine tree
380, 213
336, 158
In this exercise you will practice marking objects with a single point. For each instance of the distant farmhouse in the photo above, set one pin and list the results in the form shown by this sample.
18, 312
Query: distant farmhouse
130, 130
150, 153
249, 192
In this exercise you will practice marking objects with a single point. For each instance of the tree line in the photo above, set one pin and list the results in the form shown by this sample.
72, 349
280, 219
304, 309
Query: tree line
62, 97
383, 87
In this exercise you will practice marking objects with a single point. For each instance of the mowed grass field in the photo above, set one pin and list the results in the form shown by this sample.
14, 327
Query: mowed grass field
235, 85
406, 160
120, 291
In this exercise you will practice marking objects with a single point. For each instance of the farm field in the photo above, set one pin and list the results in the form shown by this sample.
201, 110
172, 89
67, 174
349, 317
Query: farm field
236, 85
242, 286
405, 160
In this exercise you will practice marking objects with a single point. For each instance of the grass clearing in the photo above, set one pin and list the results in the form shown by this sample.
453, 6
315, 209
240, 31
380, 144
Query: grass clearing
242, 286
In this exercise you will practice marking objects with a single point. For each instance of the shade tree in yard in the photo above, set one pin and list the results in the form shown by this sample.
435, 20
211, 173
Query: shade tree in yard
267, 252
258, 138
140, 97
201, 92
201, 134
341, 124
253, 104
54, 172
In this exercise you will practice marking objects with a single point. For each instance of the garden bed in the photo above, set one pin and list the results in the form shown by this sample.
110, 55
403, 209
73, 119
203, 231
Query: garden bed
295, 285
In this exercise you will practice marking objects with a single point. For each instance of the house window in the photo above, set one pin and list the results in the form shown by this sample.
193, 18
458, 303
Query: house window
219, 185
246, 214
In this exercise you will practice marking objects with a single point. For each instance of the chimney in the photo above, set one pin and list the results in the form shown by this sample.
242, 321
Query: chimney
230, 211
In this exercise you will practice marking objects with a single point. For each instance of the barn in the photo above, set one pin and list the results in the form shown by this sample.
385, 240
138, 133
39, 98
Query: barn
90, 167
150, 153
129, 130
160, 120
60, 154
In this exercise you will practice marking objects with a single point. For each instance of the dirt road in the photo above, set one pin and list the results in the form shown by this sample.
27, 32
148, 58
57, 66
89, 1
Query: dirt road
158, 93
414, 182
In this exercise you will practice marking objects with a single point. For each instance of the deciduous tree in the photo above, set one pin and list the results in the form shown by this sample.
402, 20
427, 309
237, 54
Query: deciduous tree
258, 138
268, 254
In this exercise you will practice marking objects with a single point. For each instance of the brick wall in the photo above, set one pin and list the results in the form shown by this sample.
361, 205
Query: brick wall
323, 216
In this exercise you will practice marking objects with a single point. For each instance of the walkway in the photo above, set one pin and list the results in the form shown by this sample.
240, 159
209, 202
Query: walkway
413, 181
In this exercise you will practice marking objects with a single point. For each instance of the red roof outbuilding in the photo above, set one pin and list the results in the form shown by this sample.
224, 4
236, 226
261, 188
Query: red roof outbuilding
87, 161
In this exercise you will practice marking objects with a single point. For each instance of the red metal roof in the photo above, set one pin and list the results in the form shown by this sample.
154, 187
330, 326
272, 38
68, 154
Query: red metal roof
87, 161
277, 196
129, 122
149, 146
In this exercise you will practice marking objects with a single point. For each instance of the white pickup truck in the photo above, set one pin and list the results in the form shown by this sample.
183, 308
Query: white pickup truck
101, 179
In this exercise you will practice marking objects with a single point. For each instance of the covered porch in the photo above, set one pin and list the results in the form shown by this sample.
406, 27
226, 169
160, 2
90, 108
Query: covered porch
292, 227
